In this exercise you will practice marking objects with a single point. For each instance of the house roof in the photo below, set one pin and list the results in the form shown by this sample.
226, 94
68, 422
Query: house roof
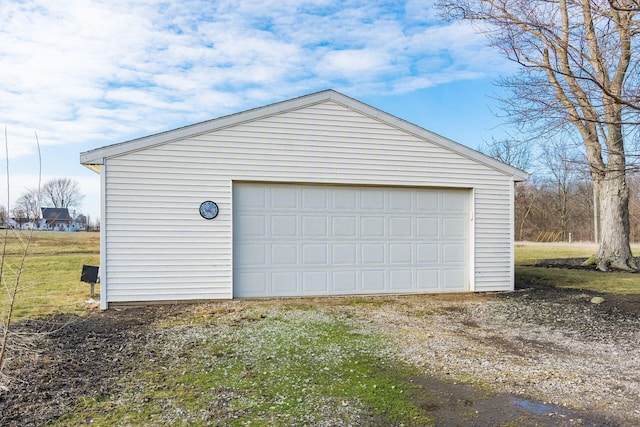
94, 158
55, 214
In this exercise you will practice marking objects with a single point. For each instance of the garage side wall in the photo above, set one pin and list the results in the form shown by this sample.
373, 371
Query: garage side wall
159, 248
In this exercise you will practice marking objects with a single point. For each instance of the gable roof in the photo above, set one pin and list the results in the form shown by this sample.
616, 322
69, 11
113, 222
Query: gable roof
94, 158
55, 214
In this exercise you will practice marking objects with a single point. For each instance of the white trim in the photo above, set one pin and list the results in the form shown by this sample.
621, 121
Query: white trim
233, 288
472, 241
103, 237
512, 253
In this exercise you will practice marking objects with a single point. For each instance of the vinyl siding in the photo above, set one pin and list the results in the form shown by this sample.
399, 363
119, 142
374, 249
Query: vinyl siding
159, 248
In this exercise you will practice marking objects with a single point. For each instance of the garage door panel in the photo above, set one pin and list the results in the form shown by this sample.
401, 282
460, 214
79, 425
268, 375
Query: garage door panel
427, 227
373, 280
285, 283
253, 284
373, 253
314, 226
428, 201
345, 281
428, 279
315, 282
344, 198
253, 198
253, 255
319, 240
284, 226
400, 227
400, 280
400, 253
454, 202
454, 279
283, 198
249, 226
454, 253
284, 254
428, 253
371, 200
314, 198
453, 228
400, 200
315, 254
372, 226
344, 226
344, 253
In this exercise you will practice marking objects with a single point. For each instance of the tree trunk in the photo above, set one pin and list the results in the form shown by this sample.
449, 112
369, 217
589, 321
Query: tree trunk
614, 252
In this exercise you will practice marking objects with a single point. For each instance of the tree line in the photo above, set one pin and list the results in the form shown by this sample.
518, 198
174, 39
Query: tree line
557, 202
548, 211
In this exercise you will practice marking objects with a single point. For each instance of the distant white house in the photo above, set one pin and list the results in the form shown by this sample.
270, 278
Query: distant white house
59, 219
56, 219
53, 219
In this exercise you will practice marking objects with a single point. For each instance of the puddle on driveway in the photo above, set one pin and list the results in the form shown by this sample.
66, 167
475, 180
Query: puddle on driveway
466, 405
536, 407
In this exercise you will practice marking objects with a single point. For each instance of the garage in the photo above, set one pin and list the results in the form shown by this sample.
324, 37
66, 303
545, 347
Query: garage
295, 240
316, 195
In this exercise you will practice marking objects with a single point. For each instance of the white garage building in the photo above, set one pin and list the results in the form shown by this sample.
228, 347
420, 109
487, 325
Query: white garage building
317, 195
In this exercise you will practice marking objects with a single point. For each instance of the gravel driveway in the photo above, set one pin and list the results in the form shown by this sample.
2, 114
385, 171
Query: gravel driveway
550, 352
554, 346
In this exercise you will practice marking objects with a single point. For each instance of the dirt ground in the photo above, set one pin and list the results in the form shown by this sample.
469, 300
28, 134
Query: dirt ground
59, 359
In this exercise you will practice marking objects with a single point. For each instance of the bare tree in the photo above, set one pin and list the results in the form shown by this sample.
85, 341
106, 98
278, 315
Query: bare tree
563, 167
28, 205
526, 198
509, 151
634, 205
579, 71
20, 216
61, 193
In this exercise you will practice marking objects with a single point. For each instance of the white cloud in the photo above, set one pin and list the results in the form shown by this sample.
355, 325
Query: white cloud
92, 72
354, 64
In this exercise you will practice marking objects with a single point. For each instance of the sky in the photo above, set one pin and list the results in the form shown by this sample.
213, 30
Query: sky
82, 74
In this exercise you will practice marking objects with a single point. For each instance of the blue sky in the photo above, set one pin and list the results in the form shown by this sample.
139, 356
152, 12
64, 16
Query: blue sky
87, 73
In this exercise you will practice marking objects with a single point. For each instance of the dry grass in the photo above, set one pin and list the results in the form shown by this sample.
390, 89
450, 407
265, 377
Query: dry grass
51, 278
528, 254
50, 281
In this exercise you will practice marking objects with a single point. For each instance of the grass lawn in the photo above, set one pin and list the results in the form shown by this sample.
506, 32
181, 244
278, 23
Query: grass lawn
50, 280
529, 254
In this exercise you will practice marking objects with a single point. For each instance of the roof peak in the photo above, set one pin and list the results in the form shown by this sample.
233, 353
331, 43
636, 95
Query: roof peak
94, 158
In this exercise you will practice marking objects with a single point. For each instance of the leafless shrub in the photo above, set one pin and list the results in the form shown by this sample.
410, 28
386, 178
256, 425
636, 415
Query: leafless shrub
11, 270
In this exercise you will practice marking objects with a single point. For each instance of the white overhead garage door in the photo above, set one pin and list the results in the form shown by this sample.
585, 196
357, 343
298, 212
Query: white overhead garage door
294, 240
